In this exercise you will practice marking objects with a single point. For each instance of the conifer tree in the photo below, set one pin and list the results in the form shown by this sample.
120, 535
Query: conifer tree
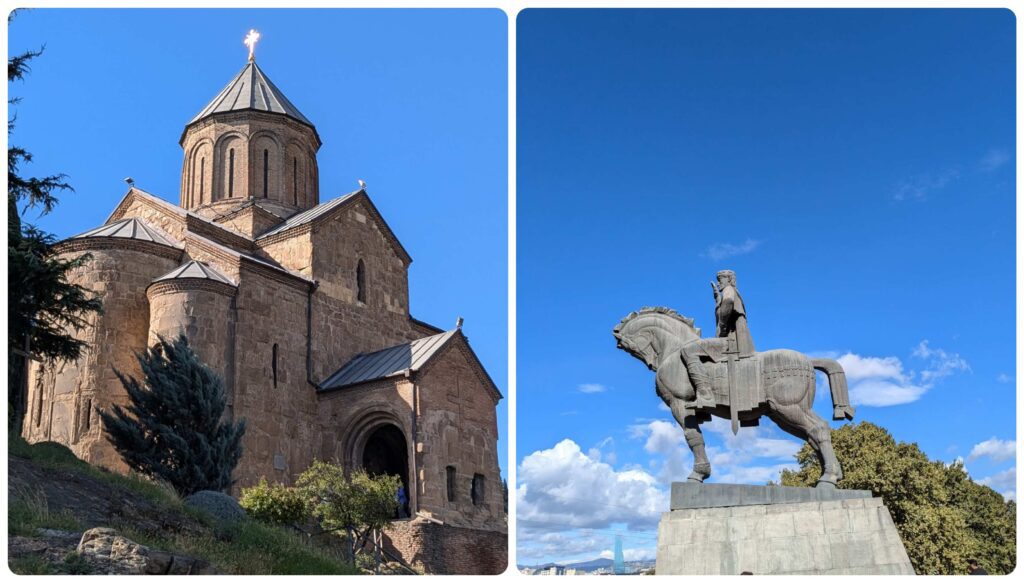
172, 429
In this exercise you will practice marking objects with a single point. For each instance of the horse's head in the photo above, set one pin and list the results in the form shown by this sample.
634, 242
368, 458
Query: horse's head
653, 332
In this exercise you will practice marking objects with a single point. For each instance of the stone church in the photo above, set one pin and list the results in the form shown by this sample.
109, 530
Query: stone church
302, 307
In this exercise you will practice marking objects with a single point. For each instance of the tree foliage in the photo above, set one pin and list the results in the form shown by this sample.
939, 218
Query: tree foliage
44, 308
172, 428
943, 517
358, 502
275, 504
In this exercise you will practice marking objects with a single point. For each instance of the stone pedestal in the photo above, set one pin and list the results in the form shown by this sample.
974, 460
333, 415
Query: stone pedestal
725, 529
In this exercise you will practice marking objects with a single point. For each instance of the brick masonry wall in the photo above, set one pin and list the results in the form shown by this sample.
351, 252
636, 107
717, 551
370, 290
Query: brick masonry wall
443, 549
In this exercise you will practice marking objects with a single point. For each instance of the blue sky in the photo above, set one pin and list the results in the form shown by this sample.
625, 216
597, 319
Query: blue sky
414, 102
855, 168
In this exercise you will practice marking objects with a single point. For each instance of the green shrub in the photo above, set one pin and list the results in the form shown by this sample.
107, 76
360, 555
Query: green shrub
274, 504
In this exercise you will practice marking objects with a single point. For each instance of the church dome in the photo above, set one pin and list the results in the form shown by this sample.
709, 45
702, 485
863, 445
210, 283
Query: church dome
250, 143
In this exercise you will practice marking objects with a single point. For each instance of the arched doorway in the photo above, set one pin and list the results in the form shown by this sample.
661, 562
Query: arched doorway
386, 452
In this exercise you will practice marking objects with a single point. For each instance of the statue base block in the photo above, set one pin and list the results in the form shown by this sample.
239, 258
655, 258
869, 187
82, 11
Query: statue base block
726, 529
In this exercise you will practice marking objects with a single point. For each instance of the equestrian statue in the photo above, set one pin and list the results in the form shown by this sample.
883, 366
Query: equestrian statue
724, 376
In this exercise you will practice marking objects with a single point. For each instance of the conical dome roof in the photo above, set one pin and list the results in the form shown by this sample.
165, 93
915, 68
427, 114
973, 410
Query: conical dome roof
131, 228
251, 89
195, 270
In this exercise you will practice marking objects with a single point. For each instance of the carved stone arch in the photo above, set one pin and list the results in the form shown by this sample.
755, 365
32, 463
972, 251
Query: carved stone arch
378, 426
199, 171
265, 174
230, 166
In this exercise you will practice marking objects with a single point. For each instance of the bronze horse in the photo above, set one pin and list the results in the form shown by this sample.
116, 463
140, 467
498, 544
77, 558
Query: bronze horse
656, 335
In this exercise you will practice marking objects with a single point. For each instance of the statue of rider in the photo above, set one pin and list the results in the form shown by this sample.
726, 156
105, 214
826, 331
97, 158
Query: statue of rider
733, 336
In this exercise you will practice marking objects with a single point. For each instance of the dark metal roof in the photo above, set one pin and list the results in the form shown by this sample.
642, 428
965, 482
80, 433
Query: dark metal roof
251, 89
396, 360
308, 215
132, 228
196, 270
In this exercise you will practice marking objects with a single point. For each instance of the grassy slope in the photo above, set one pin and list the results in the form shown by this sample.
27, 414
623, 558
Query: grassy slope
247, 547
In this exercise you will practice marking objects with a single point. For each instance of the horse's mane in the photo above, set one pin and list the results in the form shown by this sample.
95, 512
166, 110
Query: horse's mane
653, 310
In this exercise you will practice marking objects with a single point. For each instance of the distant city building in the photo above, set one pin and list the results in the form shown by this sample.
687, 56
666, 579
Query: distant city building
620, 563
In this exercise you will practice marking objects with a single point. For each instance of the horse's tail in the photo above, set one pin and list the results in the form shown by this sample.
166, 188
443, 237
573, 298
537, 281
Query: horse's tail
841, 408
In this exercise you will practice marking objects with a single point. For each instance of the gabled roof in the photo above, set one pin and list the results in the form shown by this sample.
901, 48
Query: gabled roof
390, 362
196, 270
131, 228
308, 215
324, 210
251, 89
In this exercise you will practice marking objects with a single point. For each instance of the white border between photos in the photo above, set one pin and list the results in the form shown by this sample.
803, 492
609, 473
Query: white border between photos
512, 9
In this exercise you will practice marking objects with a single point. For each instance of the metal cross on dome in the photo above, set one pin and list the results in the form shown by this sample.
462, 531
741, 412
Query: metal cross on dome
250, 41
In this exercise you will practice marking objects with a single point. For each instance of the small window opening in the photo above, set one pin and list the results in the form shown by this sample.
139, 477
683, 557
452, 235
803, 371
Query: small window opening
202, 174
39, 406
361, 282
295, 181
231, 172
476, 492
273, 363
88, 414
265, 157
450, 472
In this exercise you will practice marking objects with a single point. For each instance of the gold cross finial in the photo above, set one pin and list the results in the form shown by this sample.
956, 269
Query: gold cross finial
250, 41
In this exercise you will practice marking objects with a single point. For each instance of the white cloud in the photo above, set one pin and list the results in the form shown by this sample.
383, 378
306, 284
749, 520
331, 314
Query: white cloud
1002, 481
882, 393
859, 367
591, 388
881, 381
918, 187
666, 439
561, 489
1004, 378
941, 363
719, 251
994, 159
997, 449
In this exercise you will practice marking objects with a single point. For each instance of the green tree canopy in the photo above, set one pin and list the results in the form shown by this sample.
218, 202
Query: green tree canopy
943, 517
172, 428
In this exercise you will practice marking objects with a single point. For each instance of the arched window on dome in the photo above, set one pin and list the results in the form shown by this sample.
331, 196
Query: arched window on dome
361, 282
202, 178
266, 158
295, 181
231, 172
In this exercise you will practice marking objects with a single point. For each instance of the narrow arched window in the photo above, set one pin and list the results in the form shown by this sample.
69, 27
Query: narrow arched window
202, 176
231, 172
273, 363
476, 491
295, 181
265, 158
450, 475
361, 282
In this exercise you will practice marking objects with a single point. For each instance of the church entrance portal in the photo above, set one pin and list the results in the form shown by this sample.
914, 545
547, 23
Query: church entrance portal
385, 452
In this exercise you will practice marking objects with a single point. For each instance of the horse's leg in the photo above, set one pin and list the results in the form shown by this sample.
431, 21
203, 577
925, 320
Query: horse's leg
694, 439
804, 423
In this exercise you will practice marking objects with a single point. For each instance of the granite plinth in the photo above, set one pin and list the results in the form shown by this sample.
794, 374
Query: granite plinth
726, 532
698, 495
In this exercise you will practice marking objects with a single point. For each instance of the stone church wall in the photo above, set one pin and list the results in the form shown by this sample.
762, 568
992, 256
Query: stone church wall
345, 326
458, 426
63, 396
281, 415
202, 311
